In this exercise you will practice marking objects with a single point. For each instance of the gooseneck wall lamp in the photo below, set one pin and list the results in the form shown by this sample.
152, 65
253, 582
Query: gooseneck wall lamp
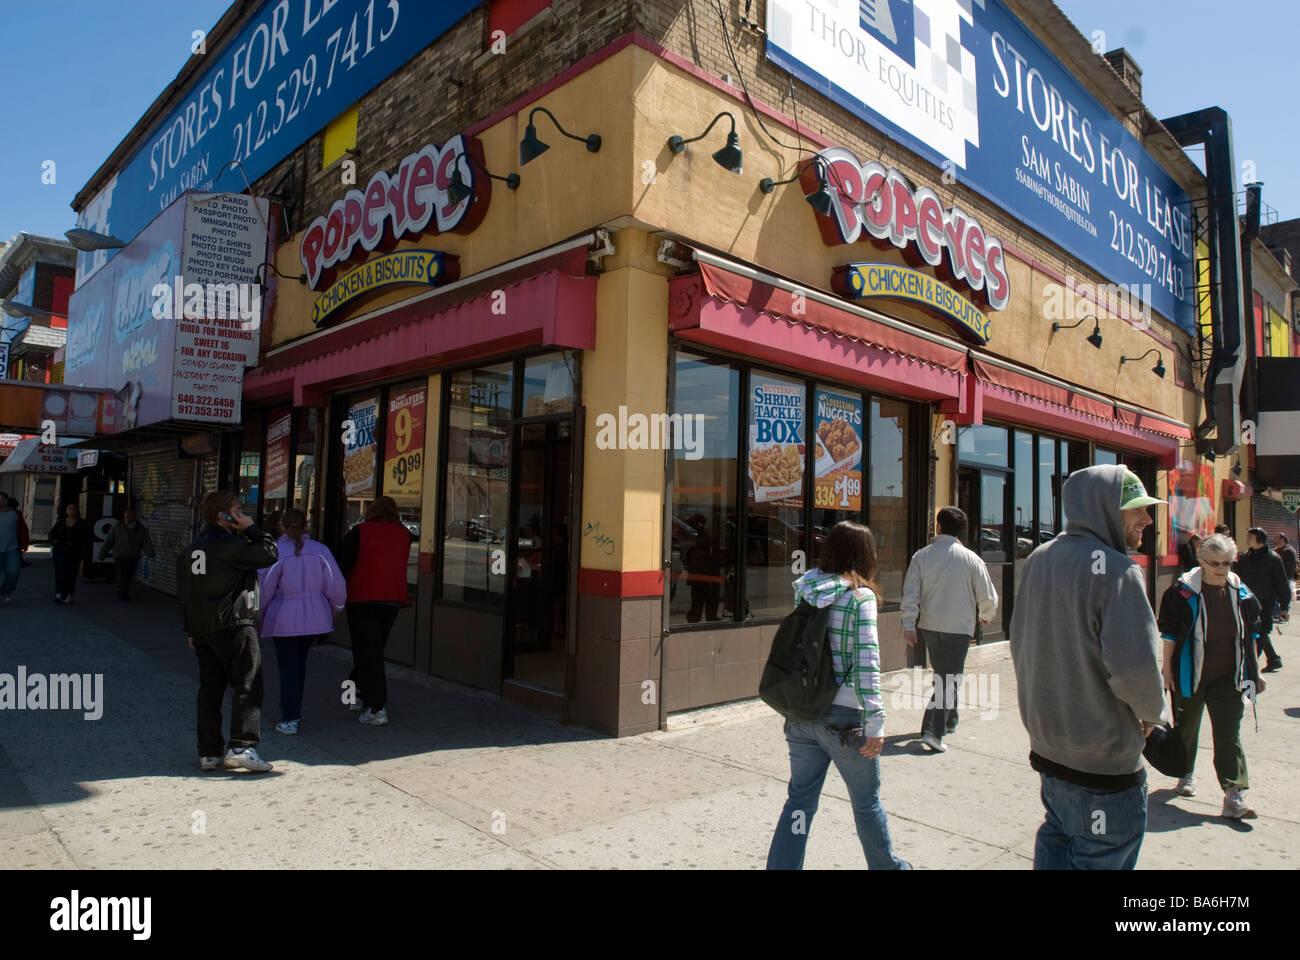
1094, 338
301, 278
531, 147
729, 157
822, 199
460, 190
1158, 369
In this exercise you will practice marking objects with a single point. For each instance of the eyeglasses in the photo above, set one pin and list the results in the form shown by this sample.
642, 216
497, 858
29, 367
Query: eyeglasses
1216, 564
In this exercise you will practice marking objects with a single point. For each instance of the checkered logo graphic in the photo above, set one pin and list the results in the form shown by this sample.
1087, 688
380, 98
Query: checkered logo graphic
890, 21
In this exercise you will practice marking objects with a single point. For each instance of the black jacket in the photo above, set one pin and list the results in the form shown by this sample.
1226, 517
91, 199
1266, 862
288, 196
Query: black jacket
1182, 621
72, 539
1288, 556
225, 593
1263, 573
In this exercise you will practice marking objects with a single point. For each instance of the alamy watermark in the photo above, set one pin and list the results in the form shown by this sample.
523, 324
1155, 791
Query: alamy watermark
57, 691
961, 691
179, 300
1083, 300
639, 431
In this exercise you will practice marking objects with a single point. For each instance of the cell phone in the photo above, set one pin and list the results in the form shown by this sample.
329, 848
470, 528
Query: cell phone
227, 517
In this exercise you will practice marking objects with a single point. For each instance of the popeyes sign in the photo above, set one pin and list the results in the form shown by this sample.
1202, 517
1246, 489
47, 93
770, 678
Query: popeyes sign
411, 201
882, 202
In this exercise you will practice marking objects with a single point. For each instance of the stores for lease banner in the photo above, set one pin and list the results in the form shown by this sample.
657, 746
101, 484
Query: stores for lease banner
634, 415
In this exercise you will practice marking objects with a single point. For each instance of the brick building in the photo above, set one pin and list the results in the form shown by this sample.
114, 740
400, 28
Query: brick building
621, 400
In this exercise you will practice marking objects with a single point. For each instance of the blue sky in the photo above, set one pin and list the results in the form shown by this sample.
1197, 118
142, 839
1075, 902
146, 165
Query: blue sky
79, 73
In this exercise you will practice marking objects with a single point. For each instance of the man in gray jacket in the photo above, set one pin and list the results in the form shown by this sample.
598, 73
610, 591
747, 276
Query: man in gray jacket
947, 587
1084, 645
126, 543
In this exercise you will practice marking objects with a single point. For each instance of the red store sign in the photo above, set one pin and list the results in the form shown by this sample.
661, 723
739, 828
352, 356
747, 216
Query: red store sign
882, 202
411, 201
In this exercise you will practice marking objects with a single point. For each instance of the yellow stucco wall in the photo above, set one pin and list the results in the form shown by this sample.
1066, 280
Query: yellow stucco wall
623, 490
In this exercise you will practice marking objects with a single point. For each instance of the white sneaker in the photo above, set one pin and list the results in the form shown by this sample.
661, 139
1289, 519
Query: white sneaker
289, 727
1186, 786
934, 743
246, 759
370, 718
209, 763
1235, 807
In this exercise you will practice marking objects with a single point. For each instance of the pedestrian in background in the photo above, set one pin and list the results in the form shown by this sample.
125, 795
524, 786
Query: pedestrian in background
1288, 556
852, 732
14, 539
946, 589
1208, 620
1188, 552
125, 544
1083, 644
374, 557
301, 593
216, 584
70, 538
1262, 571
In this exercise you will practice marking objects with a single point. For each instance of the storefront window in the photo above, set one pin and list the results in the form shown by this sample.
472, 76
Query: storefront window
304, 471
1048, 490
705, 500
360, 456
1104, 456
478, 482
983, 446
890, 485
249, 486
276, 481
774, 529
1023, 493
404, 462
548, 384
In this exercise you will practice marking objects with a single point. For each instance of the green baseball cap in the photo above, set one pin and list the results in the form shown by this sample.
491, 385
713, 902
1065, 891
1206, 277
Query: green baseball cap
1134, 494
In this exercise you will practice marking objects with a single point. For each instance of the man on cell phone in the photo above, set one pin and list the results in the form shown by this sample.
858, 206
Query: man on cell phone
216, 584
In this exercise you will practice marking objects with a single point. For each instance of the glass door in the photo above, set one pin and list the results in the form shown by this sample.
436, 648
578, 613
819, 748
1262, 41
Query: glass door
982, 494
537, 612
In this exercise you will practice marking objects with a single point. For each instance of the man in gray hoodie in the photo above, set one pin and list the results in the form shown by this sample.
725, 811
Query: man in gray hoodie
1084, 644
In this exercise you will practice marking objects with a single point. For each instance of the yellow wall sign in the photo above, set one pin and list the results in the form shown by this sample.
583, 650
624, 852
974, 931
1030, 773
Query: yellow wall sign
862, 280
427, 267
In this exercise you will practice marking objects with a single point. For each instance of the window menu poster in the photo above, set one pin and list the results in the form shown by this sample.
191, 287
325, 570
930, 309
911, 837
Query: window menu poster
277, 457
837, 483
776, 447
360, 449
404, 445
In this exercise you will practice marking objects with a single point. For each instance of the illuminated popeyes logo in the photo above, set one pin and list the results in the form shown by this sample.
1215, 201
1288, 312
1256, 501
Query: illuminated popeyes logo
413, 200
870, 197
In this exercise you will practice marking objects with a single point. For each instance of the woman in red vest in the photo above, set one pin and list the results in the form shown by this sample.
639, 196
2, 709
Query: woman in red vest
374, 557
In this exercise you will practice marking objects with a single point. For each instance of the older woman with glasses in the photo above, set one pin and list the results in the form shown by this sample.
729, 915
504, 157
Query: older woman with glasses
1208, 621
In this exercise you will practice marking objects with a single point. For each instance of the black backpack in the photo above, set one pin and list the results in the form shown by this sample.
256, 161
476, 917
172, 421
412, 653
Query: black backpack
799, 680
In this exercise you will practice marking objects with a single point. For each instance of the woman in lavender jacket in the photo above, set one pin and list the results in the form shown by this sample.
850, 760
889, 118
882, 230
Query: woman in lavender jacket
301, 594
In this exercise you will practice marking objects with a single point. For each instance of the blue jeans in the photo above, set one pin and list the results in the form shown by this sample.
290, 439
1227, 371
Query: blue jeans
291, 659
812, 748
11, 565
1087, 829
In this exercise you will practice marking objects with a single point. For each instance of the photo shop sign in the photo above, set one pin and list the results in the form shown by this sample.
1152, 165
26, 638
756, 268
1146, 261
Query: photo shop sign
411, 201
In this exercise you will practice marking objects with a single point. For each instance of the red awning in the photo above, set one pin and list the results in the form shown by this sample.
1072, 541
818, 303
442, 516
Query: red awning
1023, 397
784, 325
552, 304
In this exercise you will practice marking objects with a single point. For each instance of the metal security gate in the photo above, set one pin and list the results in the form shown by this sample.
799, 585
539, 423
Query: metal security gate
162, 490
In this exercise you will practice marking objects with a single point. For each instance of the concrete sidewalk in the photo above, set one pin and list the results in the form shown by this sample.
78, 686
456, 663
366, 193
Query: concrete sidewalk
461, 779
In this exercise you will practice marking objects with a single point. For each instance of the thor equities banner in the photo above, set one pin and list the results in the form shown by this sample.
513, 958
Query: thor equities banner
967, 86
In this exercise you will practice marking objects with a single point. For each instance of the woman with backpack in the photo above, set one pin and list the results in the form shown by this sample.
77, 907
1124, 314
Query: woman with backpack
301, 593
852, 731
